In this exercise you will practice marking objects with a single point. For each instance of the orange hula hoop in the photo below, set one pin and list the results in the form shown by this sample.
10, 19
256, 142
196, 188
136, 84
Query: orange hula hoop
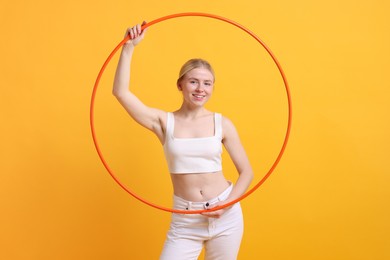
278, 158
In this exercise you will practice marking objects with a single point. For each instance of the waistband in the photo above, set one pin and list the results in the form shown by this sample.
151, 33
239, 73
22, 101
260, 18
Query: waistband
182, 204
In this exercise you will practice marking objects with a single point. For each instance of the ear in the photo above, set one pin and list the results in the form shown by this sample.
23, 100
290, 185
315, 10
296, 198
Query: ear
179, 86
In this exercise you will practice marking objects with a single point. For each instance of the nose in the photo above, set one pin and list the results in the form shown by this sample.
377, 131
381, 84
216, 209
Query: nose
199, 88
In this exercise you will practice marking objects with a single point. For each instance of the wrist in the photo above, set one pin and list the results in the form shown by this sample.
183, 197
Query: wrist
128, 48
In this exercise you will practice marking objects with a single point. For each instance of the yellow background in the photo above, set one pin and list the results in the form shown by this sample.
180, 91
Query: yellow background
328, 198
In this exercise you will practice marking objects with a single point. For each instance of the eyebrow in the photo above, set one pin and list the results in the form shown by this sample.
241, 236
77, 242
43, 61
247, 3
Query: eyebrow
207, 80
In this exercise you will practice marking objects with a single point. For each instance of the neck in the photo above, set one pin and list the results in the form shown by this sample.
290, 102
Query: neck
192, 112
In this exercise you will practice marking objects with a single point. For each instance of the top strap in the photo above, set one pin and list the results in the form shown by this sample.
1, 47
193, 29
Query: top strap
170, 124
218, 124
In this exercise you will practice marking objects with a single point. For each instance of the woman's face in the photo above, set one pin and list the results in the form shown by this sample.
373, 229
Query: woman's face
197, 86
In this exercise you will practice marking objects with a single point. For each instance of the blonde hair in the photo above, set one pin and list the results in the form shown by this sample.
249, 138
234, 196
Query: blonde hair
194, 64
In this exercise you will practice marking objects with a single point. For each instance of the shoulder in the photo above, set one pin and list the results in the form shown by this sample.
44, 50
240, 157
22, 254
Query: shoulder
226, 121
228, 127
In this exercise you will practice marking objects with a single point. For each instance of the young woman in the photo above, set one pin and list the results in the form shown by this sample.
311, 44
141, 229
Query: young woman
192, 139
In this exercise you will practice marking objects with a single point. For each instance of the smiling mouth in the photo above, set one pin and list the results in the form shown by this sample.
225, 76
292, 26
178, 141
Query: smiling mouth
198, 96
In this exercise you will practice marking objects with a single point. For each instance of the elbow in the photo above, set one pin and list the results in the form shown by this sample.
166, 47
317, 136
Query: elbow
115, 93
119, 89
118, 94
249, 175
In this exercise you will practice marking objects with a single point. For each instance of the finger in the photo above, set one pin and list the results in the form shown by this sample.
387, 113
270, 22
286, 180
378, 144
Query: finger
131, 33
144, 30
143, 25
218, 213
135, 31
213, 214
128, 33
138, 29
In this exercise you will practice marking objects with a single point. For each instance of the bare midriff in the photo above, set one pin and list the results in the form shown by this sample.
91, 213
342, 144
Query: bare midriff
198, 187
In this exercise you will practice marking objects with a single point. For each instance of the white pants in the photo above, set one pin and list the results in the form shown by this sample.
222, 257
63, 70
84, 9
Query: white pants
188, 233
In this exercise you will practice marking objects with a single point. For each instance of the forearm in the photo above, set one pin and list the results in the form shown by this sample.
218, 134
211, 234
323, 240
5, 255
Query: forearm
122, 75
242, 184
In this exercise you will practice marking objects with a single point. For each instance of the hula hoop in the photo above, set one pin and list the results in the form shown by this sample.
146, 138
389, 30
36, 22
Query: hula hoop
278, 158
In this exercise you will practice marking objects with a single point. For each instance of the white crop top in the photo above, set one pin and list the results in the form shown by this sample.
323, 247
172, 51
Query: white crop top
193, 155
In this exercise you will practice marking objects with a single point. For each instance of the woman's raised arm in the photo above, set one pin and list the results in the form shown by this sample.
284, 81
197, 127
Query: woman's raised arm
148, 117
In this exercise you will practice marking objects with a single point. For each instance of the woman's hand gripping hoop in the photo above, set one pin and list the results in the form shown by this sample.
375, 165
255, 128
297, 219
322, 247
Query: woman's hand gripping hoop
144, 26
